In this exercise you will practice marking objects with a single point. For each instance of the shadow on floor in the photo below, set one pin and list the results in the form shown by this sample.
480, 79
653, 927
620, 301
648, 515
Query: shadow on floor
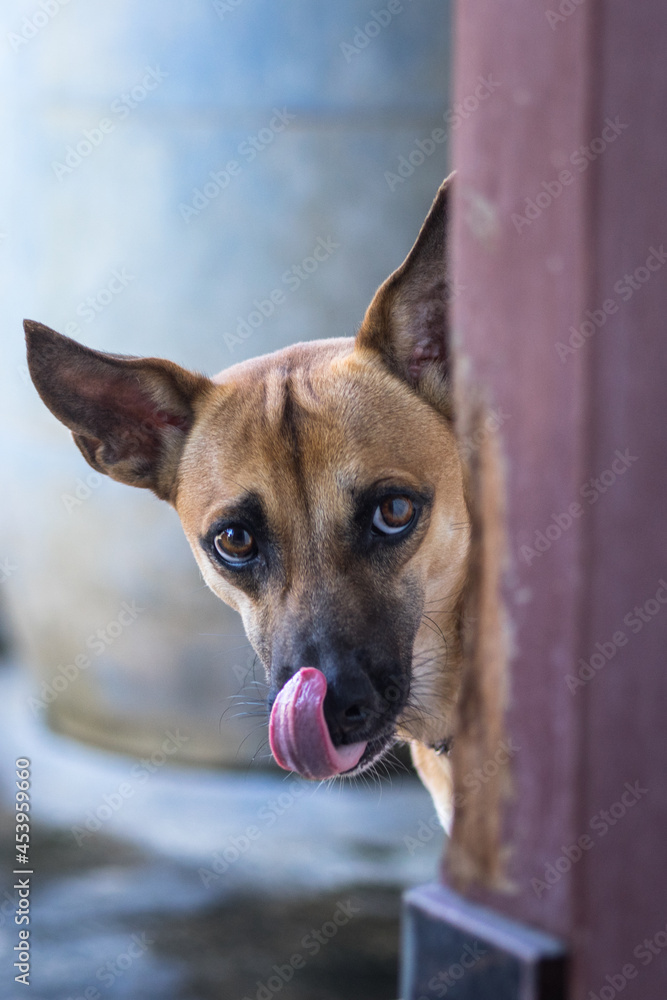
170, 941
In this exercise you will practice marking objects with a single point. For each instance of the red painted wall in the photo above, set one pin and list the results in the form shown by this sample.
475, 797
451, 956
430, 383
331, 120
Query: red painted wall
560, 229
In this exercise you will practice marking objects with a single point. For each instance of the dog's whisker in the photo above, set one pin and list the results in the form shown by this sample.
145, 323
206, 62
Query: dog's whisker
436, 627
450, 593
258, 752
238, 702
427, 652
431, 627
396, 762
247, 737
422, 714
250, 688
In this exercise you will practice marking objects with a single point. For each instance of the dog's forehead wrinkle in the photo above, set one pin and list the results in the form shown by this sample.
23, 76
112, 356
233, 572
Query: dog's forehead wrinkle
307, 355
310, 463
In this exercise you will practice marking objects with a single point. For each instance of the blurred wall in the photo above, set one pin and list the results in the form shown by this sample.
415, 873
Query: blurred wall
165, 167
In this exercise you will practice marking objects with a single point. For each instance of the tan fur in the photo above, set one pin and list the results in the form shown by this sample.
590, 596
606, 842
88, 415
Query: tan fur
307, 430
475, 853
435, 770
364, 425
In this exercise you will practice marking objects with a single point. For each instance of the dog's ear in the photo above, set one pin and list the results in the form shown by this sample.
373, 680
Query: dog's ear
129, 416
407, 321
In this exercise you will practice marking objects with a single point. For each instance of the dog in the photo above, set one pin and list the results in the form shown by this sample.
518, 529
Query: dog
323, 493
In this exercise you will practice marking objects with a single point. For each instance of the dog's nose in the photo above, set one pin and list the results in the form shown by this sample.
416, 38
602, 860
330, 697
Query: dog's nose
352, 718
348, 709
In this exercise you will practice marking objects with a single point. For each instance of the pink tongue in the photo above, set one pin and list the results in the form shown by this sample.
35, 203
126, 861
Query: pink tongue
298, 733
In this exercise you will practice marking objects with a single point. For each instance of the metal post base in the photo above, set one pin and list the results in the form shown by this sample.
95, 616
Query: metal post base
455, 949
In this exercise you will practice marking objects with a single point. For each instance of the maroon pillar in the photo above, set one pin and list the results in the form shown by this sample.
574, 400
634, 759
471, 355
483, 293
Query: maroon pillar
560, 231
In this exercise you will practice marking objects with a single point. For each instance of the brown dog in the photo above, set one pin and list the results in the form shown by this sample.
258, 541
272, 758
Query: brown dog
322, 493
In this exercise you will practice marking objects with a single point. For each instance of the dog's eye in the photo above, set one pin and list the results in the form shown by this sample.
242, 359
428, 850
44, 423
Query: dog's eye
235, 545
394, 514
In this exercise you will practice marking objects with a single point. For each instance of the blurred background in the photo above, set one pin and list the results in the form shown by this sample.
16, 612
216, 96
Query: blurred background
165, 168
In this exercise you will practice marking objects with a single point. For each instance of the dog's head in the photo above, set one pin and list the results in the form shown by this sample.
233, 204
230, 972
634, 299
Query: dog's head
321, 490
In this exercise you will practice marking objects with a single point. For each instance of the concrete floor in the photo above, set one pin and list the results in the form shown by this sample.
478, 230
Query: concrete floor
186, 884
